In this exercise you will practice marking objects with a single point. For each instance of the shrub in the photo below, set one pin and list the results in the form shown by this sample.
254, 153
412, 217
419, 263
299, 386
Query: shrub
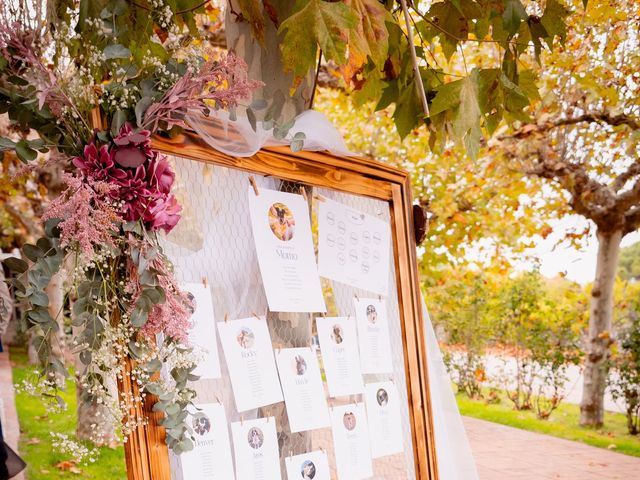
624, 375
543, 330
461, 306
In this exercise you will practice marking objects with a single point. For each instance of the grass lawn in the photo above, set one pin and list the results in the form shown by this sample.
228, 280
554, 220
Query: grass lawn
563, 423
35, 441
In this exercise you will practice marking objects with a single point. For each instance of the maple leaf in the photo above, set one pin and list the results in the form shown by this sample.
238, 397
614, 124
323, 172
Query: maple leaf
65, 465
369, 38
317, 23
461, 99
553, 20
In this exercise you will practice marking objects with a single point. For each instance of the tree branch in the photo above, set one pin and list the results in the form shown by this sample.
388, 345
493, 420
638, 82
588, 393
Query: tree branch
589, 198
622, 179
628, 199
590, 117
632, 220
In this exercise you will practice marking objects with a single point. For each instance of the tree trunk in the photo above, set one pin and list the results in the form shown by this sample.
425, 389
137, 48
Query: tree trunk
599, 340
265, 64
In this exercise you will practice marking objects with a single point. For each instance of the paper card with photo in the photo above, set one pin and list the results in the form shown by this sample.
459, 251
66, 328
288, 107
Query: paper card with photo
303, 390
203, 334
373, 335
308, 466
351, 442
353, 247
339, 347
210, 458
282, 235
385, 420
255, 443
247, 348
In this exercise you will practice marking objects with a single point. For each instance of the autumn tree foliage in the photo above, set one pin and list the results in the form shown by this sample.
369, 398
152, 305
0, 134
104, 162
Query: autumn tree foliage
550, 86
584, 138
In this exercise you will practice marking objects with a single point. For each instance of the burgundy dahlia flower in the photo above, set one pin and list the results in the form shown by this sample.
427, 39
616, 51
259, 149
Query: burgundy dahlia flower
131, 149
134, 191
160, 175
163, 213
99, 164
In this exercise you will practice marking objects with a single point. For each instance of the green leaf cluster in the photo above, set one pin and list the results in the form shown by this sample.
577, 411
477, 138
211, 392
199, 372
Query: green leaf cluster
367, 41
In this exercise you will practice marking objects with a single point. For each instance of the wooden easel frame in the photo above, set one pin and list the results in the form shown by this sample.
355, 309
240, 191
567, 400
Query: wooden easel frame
146, 452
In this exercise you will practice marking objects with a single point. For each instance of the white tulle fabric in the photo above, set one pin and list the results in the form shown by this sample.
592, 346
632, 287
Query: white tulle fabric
455, 460
237, 138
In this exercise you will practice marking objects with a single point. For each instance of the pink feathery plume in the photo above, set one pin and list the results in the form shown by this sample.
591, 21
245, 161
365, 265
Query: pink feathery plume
222, 82
89, 216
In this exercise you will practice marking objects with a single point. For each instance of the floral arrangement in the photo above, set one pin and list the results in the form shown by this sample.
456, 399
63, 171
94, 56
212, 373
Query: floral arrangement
130, 319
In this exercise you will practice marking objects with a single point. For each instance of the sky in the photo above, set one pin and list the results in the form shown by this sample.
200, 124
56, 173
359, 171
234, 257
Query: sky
579, 265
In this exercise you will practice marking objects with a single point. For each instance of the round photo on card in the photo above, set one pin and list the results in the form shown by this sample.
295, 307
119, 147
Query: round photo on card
382, 397
255, 438
191, 305
372, 314
337, 334
308, 470
299, 365
245, 338
201, 424
281, 221
349, 420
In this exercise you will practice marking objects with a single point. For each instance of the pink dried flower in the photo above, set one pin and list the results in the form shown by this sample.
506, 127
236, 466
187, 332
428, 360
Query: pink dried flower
222, 82
22, 47
173, 316
89, 217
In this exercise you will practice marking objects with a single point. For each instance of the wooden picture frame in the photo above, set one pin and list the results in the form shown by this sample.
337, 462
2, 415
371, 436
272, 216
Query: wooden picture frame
146, 453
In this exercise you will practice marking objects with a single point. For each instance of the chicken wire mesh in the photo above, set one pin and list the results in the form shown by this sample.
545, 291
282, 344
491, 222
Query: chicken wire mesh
214, 243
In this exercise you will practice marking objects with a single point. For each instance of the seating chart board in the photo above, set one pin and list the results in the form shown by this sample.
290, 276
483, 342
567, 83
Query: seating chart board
215, 245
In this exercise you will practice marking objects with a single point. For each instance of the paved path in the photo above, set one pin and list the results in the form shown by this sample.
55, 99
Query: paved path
8, 414
501, 453
506, 453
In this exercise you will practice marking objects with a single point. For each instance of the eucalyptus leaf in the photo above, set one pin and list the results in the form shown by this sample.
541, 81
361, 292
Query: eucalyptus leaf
85, 357
141, 107
6, 143
172, 409
25, 152
251, 116
115, 51
39, 298
139, 317
32, 252
258, 104
44, 244
154, 388
117, 121
16, 264
51, 229
297, 144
